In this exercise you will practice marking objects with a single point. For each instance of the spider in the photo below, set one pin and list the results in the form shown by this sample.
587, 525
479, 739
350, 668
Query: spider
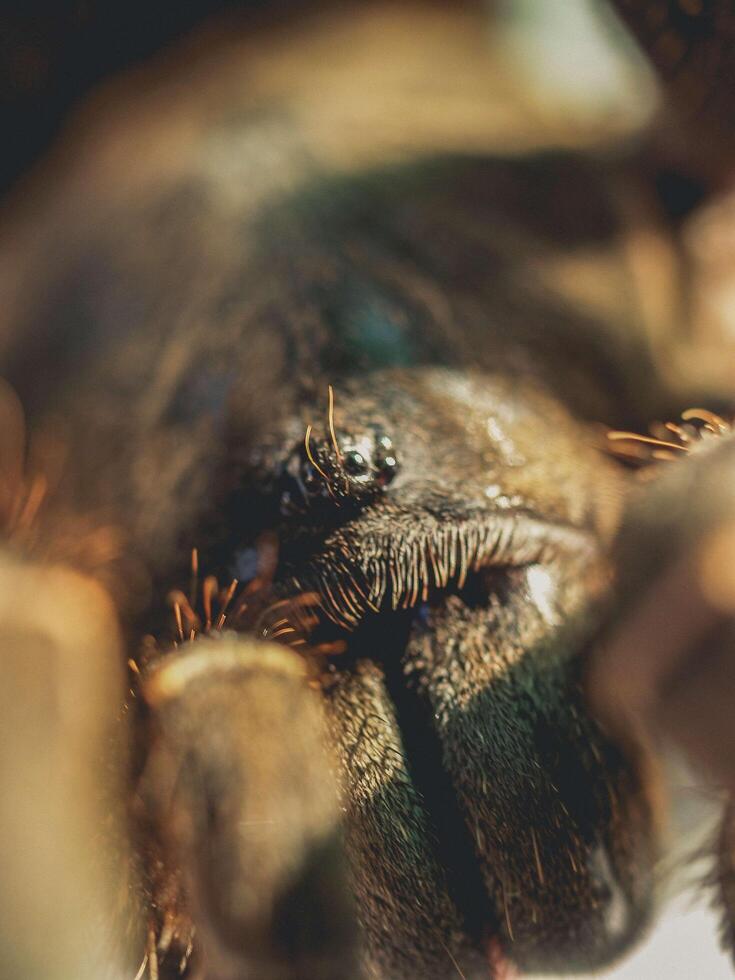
315, 525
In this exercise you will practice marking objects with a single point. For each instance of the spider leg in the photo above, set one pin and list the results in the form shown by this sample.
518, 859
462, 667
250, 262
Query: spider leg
68, 897
391, 843
668, 663
242, 788
666, 670
724, 878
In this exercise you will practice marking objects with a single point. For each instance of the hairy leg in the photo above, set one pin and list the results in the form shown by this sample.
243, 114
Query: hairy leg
71, 902
240, 788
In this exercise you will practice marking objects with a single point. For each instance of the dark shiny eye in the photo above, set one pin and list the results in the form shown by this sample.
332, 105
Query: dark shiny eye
386, 461
331, 473
387, 467
355, 463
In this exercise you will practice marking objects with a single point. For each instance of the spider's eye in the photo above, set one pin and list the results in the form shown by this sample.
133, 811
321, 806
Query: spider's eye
331, 474
356, 465
386, 464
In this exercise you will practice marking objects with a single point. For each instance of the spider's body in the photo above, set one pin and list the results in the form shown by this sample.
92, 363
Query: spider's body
394, 370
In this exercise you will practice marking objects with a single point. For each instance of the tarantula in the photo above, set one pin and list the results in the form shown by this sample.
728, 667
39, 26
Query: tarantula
340, 393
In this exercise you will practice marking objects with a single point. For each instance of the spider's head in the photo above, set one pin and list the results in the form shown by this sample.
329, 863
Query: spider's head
468, 580
336, 469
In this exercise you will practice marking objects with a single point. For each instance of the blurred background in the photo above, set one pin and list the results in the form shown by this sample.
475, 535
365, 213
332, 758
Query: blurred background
569, 57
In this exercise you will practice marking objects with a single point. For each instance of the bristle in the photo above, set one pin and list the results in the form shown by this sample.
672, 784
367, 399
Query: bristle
396, 582
423, 573
453, 546
508, 923
330, 422
251, 608
414, 582
405, 576
194, 579
283, 631
650, 440
330, 649
361, 593
152, 956
679, 431
312, 460
709, 418
225, 604
340, 615
349, 598
177, 599
638, 449
209, 590
463, 562
187, 953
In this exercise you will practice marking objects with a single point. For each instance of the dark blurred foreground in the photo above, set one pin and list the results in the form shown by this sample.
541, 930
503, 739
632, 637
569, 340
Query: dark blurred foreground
52, 52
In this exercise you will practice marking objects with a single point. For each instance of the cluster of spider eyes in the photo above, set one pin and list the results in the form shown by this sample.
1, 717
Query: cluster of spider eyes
353, 469
376, 464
